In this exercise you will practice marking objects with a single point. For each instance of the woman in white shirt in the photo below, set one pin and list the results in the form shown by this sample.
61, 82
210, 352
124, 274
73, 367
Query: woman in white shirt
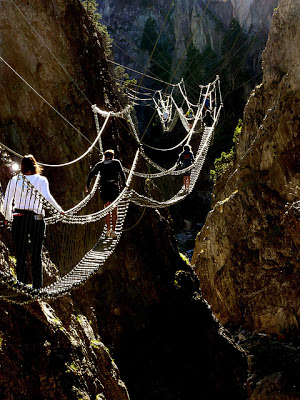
24, 207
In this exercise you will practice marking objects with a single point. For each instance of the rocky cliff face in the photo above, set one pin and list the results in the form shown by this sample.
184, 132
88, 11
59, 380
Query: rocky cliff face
146, 305
206, 24
198, 39
51, 48
52, 351
247, 255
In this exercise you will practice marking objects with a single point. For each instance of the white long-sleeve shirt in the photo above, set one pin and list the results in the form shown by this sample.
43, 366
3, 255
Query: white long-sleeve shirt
20, 195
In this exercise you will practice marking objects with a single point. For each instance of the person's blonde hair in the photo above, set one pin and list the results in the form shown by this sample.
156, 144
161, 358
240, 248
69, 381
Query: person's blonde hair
29, 164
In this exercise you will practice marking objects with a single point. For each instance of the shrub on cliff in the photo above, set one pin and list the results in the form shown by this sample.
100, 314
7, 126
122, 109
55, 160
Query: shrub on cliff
91, 7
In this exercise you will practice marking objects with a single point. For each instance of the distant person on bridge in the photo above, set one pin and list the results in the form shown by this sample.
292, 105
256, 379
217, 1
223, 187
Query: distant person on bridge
24, 207
186, 158
208, 103
110, 170
190, 116
165, 116
208, 119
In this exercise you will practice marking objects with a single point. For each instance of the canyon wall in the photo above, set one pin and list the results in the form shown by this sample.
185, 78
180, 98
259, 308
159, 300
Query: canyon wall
145, 305
247, 254
204, 24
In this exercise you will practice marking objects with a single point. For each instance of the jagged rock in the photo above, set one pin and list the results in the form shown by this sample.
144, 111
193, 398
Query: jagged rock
127, 23
162, 334
154, 321
51, 47
247, 254
53, 352
274, 365
271, 387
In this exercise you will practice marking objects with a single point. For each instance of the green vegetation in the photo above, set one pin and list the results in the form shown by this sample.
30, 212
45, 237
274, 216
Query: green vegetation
13, 259
81, 394
13, 272
226, 160
12, 268
100, 397
122, 79
130, 83
96, 344
91, 7
79, 318
200, 67
121, 75
234, 66
222, 164
72, 367
176, 281
162, 56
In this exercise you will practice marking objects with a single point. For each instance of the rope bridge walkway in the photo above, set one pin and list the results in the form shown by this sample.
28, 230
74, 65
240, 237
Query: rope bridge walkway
63, 250
93, 260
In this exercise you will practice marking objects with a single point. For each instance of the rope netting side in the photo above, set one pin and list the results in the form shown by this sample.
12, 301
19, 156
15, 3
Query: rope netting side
92, 261
171, 171
196, 168
186, 138
144, 201
164, 107
18, 292
98, 254
83, 219
78, 207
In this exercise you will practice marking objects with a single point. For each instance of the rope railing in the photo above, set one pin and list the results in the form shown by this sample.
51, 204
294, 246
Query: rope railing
119, 114
18, 292
85, 219
144, 201
186, 138
95, 258
80, 205
195, 167
100, 131
98, 139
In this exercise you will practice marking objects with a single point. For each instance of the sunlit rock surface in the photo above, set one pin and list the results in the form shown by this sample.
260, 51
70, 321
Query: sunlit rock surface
247, 254
146, 304
203, 24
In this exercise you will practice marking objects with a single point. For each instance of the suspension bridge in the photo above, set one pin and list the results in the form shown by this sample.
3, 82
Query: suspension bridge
171, 106
95, 257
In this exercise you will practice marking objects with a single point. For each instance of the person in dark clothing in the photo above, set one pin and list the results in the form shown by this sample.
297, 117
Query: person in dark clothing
208, 119
110, 170
186, 158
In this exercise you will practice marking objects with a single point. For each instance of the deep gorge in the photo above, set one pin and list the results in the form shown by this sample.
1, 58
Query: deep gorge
144, 327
